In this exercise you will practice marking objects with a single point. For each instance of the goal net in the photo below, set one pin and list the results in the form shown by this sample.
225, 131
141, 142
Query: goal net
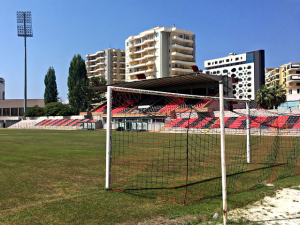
167, 146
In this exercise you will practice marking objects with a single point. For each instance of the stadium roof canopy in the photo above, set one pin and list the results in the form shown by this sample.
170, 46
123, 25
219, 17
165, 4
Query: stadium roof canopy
166, 82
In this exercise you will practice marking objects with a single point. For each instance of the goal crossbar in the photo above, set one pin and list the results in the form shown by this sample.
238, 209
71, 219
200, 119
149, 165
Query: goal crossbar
169, 94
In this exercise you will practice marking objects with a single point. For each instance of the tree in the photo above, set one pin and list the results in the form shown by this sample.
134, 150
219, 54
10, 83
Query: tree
58, 109
279, 95
78, 85
51, 94
34, 112
96, 96
269, 98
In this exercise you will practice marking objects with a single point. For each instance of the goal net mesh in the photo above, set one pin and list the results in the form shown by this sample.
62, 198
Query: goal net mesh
168, 147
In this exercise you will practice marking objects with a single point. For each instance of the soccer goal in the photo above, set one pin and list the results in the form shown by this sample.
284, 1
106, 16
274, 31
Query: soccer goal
182, 148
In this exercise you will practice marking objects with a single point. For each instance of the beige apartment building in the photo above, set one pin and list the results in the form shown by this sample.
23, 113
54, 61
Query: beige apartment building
159, 52
287, 75
109, 64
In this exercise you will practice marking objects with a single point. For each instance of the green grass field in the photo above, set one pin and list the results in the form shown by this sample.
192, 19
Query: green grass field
57, 177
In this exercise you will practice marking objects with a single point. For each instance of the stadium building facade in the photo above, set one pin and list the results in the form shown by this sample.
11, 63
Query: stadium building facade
248, 68
159, 52
287, 75
109, 64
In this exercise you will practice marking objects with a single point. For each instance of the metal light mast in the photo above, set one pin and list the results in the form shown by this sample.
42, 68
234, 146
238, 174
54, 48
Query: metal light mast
24, 30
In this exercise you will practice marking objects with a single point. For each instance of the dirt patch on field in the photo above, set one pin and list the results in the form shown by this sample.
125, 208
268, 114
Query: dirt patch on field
164, 221
283, 208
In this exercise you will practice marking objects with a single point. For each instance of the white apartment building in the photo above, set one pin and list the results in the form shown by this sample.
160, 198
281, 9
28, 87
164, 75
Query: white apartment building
159, 52
109, 64
248, 68
288, 75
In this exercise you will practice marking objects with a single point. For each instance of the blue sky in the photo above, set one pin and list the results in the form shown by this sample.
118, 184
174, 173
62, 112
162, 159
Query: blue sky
62, 28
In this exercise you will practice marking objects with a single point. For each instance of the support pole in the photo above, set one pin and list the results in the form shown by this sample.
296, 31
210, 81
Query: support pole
108, 138
25, 67
248, 133
223, 161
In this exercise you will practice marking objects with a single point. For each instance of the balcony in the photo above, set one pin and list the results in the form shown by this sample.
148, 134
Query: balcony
150, 70
95, 59
177, 46
99, 69
182, 70
97, 64
150, 62
136, 72
95, 54
293, 77
137, 65
177, 38
182, 55
148, 56
148, 48
189, 63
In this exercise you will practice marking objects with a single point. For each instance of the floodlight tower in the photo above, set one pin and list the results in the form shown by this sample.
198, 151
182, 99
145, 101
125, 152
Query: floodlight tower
24, 30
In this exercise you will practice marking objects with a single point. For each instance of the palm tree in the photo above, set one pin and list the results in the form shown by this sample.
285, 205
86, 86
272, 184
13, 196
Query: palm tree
264, 98
279, 95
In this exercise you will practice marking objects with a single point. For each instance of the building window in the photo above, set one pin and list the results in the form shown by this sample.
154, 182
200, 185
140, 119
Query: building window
240, 68
157, 34
236, 59
225, 71
151, 36
298, 91
250, 58
127, 43
249, 78
298, 84
220, 61
249, 84
208, 63
249, 67
227, 60
249, 73
216, 62
249, 90
290, 92
249, 96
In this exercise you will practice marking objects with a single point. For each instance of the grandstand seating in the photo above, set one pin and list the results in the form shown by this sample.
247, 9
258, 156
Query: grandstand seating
125, 107
266, 122
171, 105
174, 122
100, 108
63, 122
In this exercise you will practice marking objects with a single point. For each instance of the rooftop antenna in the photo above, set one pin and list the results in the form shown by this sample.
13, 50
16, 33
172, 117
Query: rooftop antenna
24, 26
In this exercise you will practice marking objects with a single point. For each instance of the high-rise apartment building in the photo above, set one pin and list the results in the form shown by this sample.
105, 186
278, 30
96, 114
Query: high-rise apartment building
248, 68
287, 75
109, 64
2, 89
159, 52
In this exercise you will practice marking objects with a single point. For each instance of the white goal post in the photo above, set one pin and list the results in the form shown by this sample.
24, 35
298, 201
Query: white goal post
221, 100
